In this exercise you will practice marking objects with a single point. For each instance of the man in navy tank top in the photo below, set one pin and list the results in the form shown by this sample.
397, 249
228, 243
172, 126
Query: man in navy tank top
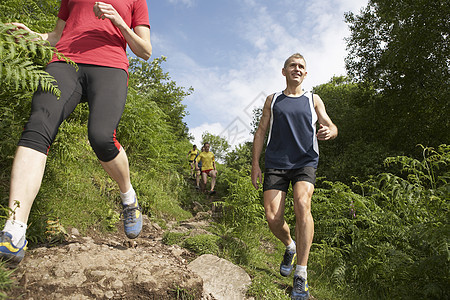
291, 157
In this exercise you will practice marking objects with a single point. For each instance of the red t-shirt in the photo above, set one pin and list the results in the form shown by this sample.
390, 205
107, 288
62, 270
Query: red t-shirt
88, 40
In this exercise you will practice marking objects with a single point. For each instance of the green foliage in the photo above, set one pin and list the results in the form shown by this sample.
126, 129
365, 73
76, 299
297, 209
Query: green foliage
39, 15
6, 283
23, 55
183, 294
90, 198
397, 229
242, 206
401, 48
18, 70
240, 157
359, 149
150, 81
371, 241
171, 238
202, 244
150, 139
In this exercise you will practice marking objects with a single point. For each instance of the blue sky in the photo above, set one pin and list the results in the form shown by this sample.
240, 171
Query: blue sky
232, 51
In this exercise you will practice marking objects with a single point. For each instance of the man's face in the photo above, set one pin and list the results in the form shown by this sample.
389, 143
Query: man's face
206, 147
295, 70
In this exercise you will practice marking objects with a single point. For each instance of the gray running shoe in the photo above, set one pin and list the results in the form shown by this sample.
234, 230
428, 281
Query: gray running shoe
9, 252
132, 220
287, 264
300, 290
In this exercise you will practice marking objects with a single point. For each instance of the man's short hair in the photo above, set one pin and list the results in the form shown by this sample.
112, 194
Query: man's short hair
295, 55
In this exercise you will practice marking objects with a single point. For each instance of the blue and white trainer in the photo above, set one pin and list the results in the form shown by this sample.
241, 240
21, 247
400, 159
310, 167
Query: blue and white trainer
132, 220
287, 265
300, 290
9, 252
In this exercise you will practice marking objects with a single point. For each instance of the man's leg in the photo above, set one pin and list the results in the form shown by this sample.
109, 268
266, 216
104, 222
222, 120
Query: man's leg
304, 225
304, 232
274, 201
274, 204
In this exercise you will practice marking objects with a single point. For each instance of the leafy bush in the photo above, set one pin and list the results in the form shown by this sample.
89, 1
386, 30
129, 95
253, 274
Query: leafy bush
172, 238
202, 244
242, 206
379, 242
372, 240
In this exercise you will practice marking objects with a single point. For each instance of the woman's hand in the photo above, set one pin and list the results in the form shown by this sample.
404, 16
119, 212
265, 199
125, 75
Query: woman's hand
52, 37
107, 11
138, 40
18, 26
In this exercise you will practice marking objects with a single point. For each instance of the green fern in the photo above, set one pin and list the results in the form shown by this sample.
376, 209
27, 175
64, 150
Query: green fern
22, 61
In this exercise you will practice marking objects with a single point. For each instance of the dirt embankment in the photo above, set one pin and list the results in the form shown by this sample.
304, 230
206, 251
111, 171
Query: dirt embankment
108, 267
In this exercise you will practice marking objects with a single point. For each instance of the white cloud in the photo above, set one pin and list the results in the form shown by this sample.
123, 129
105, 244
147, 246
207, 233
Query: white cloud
188, 3
213, 128
222, 94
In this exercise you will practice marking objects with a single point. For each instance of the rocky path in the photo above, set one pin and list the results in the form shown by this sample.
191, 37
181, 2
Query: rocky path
110, 266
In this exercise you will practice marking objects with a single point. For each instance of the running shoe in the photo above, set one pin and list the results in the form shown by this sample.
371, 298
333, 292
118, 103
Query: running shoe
132, 220
300, 289
212, 192
287, 264
9, 253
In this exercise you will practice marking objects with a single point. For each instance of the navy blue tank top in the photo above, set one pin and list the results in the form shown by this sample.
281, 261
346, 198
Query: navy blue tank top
292, 141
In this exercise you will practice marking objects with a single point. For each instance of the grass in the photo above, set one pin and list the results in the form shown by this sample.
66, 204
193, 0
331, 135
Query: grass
6, 283
76, 192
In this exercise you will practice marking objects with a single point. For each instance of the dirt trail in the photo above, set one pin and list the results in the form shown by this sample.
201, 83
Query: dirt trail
108, 266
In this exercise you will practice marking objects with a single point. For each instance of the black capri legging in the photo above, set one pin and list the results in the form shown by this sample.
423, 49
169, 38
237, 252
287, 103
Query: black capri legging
105, 90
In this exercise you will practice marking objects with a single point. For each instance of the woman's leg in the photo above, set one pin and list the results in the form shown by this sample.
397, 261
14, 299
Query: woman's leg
26, 177
47, 114
107, 92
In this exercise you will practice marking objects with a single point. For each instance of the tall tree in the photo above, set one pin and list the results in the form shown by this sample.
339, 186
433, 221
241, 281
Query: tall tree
360, 148
401, 49
149, 79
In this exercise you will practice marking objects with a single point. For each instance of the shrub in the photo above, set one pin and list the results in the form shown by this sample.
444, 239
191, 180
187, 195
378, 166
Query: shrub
203, 244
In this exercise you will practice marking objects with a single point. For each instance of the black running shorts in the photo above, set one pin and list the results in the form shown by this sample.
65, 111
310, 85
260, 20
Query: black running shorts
280, 179
105, 90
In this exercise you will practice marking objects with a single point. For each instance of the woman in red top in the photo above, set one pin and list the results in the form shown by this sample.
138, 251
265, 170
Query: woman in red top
94, 35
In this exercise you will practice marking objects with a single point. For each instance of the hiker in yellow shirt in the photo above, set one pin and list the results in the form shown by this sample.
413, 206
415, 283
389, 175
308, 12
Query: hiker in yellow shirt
198, 167
191, 155
208, 166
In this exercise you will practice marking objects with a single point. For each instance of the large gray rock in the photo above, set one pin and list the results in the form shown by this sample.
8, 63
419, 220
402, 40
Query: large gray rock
222, 280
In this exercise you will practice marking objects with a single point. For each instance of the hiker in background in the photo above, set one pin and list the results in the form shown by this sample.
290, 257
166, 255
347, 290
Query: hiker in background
94, 35
206, 158
192, 154
198, 167
291, 157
